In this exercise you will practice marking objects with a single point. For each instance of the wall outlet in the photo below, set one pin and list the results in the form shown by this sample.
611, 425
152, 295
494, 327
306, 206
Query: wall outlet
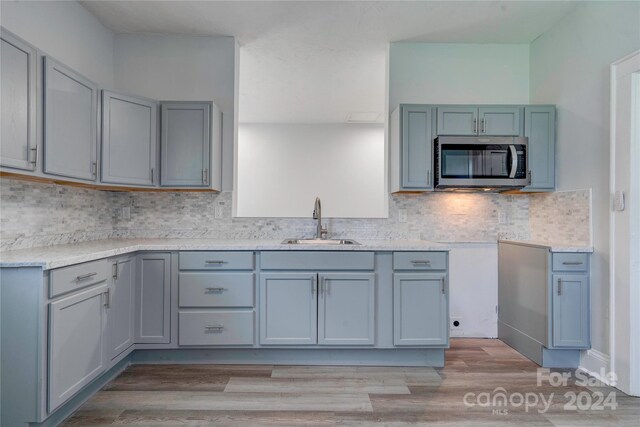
402, 215
456, 327
503, 218
126, 212
217, 213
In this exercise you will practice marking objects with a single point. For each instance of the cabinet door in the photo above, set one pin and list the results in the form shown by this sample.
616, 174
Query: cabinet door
540, 128
76, 356
70, 123
420, 313
346, 309
153, 298
18, 103
500, 121
417, 147
288, 308
185, 144
120, 313
570, 303
457, 121
128, 139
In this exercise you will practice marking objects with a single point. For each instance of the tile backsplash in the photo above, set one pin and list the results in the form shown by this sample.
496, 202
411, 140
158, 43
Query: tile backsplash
37, 214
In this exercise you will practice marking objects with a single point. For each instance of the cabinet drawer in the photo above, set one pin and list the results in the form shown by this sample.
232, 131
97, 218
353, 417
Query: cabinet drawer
570, 261
216, 261
316, 260
216, 289
66, 279
215, 327
419, 260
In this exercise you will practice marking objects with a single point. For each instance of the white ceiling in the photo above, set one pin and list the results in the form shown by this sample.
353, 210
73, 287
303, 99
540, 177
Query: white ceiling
319, 61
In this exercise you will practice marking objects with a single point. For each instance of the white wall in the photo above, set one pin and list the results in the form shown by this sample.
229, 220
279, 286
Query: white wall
283, 167
570, 68
174, 67
432, 73
67, 32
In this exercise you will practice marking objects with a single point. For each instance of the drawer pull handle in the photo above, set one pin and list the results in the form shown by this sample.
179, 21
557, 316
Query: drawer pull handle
442, 286
214, 328
85, 276
572, 263
215, 289
421, 262
216, 262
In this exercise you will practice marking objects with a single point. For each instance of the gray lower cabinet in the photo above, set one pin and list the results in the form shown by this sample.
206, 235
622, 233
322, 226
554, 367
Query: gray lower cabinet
540, 128
70, 123
185, 144
288, 308
18, 149
76, 336
129, 140
153, 298
544, 305
570, 302
420, 309
346, 309
120, 313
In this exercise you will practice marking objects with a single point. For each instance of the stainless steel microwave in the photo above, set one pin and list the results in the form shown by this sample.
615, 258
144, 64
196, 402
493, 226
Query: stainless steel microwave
481, 163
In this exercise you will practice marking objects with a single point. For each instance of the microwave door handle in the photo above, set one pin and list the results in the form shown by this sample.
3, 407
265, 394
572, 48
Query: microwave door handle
514, 161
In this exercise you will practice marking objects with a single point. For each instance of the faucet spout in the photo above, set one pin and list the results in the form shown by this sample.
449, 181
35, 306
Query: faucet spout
321, 233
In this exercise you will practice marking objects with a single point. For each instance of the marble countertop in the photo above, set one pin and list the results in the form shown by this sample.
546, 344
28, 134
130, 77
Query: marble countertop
552, 246
49, 257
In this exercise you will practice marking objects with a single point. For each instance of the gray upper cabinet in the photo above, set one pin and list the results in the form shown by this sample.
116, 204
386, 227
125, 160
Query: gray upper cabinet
121, 307
570, 301
153, 298
346, 309
474, 120
420, 309
540, 128
500, 121
18, 103
288, 308
129, 139
412, 130
70, 123
185, 144
76, 336
457, 120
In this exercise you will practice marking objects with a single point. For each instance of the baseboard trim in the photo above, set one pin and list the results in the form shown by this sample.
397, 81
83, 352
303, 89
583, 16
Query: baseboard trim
596, 364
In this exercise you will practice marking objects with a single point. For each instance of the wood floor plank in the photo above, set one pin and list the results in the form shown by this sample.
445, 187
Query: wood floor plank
316, 385
410, 375
181, 400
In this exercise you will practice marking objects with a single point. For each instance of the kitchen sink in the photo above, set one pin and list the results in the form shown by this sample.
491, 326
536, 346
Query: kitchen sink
319, 242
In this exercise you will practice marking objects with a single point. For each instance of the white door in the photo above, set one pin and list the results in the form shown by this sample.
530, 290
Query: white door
625, 223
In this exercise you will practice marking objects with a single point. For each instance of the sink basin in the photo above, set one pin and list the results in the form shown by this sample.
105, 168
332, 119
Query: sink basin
319, 242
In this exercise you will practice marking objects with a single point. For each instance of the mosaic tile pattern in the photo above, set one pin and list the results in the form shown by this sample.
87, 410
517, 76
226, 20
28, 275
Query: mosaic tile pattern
36, 214
562, 216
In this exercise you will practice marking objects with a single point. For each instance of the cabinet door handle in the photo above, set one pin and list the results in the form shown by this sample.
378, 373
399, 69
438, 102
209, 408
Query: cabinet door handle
428, 178
204, 176
152, 175
35, 155
214, 328
475, 126
327, 286
442, 286
94, 168
313, 286
559, 287
572, 263
215, 289
114, 271
483, 126
85, 276
107, 294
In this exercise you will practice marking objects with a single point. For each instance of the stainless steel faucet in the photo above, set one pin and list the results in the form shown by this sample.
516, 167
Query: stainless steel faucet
321, 233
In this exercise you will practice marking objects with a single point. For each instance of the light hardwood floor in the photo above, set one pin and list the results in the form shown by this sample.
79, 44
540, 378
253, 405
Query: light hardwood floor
238, 395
